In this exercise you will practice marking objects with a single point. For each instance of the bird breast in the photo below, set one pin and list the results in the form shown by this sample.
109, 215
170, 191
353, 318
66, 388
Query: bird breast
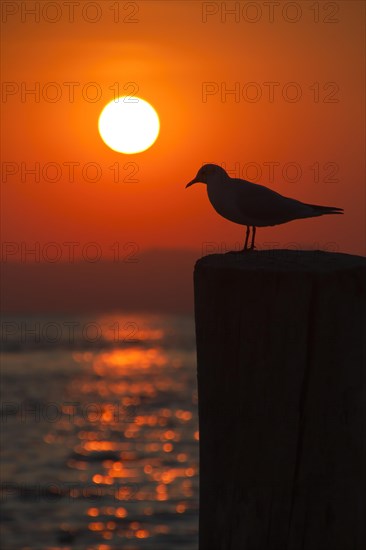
223, 200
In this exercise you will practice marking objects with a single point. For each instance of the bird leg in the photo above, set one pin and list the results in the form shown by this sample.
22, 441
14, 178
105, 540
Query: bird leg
246, 238
253, 237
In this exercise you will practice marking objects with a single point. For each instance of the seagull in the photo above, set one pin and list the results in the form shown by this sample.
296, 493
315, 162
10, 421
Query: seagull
251, 204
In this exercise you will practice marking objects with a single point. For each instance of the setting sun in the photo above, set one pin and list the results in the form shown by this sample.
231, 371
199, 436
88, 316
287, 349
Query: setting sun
129, 125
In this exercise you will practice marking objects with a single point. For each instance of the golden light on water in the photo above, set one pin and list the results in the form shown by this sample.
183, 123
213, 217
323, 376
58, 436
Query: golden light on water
130, 445
129, 359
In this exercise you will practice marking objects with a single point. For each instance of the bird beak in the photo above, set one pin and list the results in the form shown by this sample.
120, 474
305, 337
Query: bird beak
192, 182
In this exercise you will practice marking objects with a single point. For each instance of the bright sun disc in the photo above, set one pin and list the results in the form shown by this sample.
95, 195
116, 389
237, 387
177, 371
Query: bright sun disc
129, 125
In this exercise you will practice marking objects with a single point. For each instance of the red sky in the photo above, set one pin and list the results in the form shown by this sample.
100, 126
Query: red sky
173, 53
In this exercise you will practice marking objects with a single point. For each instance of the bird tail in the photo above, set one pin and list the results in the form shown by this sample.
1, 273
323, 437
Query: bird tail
325, 209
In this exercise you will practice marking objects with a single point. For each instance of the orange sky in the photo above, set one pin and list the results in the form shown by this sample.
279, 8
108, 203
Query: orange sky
171, 51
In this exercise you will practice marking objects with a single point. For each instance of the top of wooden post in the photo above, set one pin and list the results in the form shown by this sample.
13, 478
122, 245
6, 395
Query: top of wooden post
283, 260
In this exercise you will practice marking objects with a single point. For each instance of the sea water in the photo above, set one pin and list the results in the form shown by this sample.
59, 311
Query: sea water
99, 433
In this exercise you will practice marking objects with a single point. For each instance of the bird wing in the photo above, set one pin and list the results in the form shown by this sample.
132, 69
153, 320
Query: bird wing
266, 207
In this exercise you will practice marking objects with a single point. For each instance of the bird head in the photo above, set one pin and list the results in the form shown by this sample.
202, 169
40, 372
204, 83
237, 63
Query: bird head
207, 172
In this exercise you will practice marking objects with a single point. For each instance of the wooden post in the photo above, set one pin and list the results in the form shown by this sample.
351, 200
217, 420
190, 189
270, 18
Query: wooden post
281, 387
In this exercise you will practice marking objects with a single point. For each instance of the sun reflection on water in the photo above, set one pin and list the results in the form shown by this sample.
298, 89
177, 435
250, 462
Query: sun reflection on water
134, 441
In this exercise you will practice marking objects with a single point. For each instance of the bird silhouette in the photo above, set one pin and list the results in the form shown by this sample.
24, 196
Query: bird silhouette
251, 204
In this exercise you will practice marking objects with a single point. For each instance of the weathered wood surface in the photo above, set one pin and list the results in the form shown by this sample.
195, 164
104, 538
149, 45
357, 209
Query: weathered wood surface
281, 383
